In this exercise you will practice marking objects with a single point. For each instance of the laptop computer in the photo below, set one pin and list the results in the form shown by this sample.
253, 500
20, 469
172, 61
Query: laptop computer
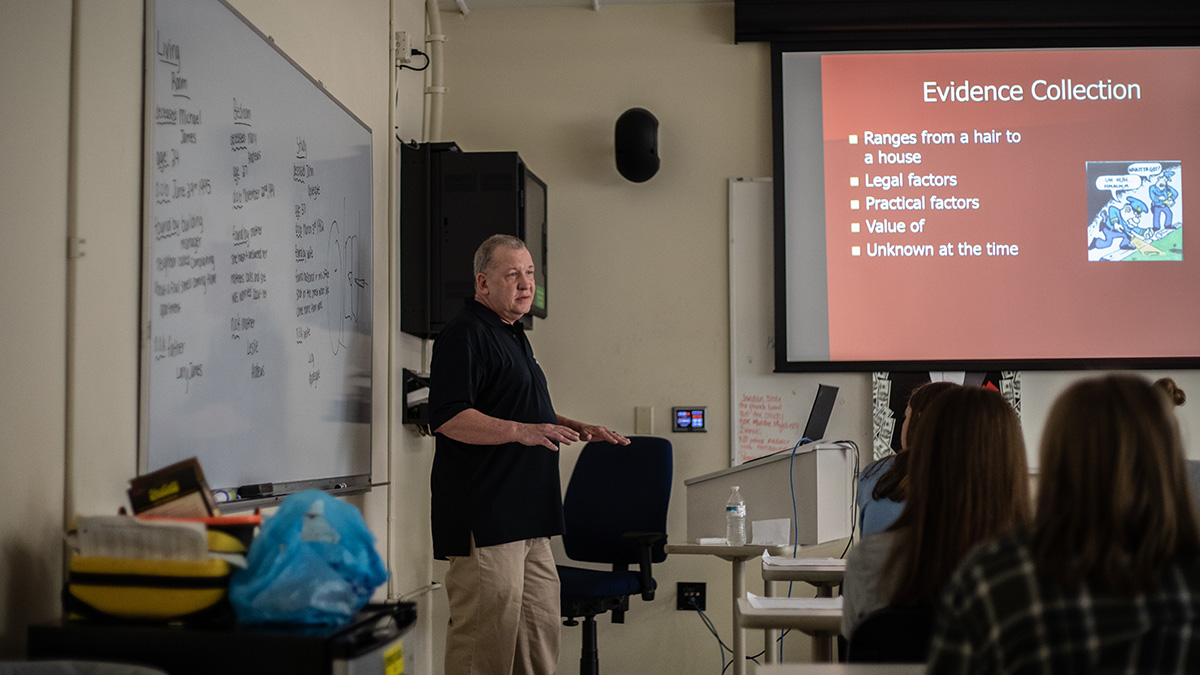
818, 417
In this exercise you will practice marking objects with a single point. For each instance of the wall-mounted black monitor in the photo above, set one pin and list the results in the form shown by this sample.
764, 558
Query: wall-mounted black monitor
534, 221
987, 208
450, 201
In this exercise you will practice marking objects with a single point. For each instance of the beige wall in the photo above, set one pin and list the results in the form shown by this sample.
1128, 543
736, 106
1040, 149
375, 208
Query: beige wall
105, 208
638, 273
35, 65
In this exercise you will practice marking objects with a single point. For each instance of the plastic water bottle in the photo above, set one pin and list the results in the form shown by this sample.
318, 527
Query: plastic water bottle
735, 519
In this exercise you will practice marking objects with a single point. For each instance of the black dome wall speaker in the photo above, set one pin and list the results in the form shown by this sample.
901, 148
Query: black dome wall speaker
637, 144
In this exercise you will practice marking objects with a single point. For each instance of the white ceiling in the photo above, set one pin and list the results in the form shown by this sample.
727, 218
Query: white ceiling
465, 6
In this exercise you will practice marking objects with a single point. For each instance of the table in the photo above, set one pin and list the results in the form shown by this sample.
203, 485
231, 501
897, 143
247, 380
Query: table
821, 623
738, 555
371, 643
843, 669
823, 577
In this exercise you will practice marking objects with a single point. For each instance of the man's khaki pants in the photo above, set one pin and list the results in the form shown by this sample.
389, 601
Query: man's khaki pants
504, 610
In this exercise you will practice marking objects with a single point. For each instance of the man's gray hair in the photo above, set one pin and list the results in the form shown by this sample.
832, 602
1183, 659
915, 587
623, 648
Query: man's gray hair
487, 250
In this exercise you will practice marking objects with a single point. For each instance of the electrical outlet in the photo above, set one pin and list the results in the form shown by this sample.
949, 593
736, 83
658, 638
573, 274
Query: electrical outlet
690, 595
643, 420
403, 48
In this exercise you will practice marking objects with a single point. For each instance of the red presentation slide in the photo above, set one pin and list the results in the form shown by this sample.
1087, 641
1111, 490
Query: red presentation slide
1000, 200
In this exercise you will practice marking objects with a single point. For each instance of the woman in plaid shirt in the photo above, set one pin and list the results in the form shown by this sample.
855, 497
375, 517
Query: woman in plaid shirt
1107, 580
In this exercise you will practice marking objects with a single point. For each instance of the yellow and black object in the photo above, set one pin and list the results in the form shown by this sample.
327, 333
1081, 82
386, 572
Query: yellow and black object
132, 589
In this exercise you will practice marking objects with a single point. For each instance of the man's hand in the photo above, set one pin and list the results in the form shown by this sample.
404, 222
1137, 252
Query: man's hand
546, 435
476, 428
595, 432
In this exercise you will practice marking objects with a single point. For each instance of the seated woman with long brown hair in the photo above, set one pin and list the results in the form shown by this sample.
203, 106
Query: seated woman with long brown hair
884, 483
1107, 579
968, 482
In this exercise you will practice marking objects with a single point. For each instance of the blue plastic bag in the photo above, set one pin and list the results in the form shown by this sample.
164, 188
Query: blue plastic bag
314, 562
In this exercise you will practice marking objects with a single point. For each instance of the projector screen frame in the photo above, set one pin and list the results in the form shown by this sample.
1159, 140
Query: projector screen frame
937, 41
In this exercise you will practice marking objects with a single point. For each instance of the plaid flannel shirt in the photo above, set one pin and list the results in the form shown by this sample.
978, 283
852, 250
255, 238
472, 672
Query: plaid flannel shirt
999, 616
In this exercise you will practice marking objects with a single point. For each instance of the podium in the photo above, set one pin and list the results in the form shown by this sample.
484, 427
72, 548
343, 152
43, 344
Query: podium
821, 473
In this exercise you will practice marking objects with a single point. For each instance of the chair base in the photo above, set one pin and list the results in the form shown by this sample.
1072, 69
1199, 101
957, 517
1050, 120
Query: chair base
589, 655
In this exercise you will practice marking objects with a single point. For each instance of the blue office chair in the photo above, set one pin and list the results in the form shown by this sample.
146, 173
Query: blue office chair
616, 514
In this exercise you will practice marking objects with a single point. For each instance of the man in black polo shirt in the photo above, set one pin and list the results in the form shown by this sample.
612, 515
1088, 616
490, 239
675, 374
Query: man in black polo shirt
495, 486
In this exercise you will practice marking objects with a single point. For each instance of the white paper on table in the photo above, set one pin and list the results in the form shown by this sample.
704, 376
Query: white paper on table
774, 532
782, 561
761, 602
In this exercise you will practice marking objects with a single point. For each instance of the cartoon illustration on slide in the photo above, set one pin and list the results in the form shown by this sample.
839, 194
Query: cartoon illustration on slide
1134, 206
1162, 198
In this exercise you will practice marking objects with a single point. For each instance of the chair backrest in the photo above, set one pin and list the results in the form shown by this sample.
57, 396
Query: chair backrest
614, 490
895, 634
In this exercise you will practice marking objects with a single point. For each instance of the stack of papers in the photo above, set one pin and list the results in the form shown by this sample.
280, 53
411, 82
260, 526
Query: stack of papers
760, 602
126, 537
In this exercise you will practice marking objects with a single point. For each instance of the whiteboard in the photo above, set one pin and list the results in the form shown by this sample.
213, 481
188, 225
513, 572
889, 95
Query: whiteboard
257, 326
764, 418
769, 409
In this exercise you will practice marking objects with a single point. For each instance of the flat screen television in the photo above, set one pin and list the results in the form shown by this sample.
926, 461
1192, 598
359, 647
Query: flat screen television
986, 209
534, 228
450, 201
